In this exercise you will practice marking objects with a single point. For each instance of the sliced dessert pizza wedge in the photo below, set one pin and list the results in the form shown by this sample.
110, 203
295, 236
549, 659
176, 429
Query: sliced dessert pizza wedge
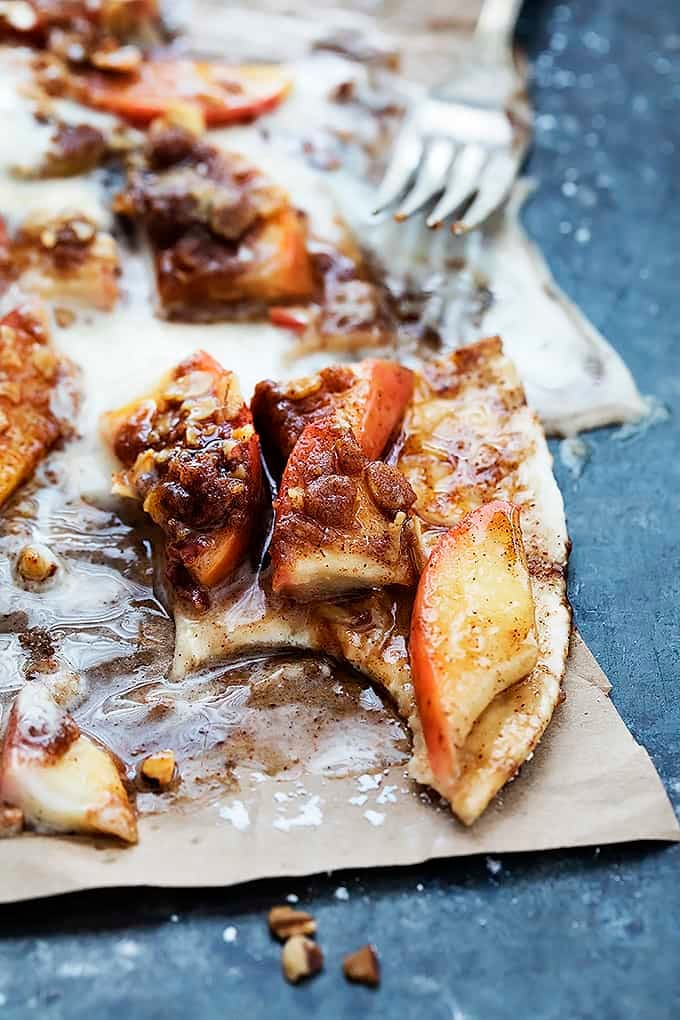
340, 521
190, 454
60, 779
469, 439
226, 240
492, 607
32, 379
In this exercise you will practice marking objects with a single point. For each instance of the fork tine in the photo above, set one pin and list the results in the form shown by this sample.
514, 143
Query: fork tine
431, 177
408, 152
494, 184
462, 183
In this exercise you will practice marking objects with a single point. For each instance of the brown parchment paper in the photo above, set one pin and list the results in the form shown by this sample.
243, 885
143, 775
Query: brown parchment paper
589, 783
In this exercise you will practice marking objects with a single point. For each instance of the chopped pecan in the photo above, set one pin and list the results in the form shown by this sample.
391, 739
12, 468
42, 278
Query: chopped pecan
74, 149
300, 958
363, 966
389, 488
284, 922
330, 500
350, 455
37, 563
159, 769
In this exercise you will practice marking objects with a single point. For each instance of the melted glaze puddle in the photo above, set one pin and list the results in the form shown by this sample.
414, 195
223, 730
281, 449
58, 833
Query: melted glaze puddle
101, 639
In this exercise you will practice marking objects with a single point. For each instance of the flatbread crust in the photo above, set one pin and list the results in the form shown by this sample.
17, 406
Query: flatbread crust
468, 438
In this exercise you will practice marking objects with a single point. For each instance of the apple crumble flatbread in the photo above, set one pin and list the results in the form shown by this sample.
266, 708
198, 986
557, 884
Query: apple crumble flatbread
468, 438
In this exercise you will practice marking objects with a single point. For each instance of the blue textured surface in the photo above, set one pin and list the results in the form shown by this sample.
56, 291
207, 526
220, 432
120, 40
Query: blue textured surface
562, 935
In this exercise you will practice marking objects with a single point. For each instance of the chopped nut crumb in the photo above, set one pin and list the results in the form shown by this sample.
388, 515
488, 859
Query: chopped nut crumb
48, 238
124, 59
46, 361
19, 15
187, 116
64, 316
296, 495
159, 768
37, 563
363, 966
11, 821
83, 229
300, 958
286, 921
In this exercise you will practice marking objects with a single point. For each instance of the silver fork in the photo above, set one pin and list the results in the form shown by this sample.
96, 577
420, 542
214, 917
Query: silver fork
460, 146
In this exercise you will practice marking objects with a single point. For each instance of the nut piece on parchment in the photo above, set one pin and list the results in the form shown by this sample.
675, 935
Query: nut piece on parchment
11, 821
285, 922
159, 769
300, 958
37, 563
363, 966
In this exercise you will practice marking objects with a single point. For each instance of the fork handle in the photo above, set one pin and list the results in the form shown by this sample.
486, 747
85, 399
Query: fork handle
497, 20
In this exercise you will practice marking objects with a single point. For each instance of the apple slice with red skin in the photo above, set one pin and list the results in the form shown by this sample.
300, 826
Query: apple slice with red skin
369, 397
61, 779
473, 630
340, 519
224, 94
191, 454
271, 264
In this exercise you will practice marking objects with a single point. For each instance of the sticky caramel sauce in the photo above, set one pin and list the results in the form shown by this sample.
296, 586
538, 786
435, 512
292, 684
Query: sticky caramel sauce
99, 636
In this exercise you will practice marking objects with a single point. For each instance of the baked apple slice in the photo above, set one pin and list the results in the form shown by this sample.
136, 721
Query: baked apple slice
31, 373
190, 453
340, 519
61, 779
67, 259
226, 241
223, 93
369, 397
473, 630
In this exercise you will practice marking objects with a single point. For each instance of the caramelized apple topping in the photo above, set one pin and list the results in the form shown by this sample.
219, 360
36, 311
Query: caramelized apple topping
77, 30
191, 455
74, 149
30, 374
331, 533
223, 234
461, 447
369, 397
66, 257
58, 777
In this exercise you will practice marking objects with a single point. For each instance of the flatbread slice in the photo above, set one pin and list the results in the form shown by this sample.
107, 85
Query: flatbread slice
469, 438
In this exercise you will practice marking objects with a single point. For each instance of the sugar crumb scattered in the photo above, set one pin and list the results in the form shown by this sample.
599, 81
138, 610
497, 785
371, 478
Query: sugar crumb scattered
368, 782
237, 814
387, 795
310, 815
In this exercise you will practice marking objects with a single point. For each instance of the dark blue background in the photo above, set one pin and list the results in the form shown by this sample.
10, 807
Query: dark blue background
563, 935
